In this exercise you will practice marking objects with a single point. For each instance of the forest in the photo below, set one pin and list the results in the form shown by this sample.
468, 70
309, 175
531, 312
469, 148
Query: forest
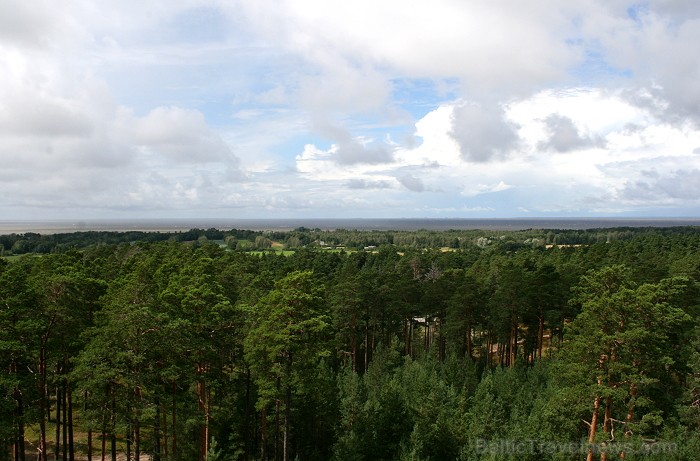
228, 345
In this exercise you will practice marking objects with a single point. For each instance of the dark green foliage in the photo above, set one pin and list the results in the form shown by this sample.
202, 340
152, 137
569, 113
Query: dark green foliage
429, 346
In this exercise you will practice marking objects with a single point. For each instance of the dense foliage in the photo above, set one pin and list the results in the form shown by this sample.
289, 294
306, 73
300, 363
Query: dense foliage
474, 345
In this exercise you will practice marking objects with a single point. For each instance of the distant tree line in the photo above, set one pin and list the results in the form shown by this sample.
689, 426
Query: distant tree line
32, 242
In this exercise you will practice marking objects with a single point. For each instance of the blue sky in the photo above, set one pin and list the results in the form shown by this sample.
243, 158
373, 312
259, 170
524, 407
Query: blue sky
273, 109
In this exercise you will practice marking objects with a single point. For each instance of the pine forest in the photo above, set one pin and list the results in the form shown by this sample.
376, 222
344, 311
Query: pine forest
349, 345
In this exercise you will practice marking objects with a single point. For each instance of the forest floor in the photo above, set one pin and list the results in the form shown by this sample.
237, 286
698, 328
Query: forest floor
95, 457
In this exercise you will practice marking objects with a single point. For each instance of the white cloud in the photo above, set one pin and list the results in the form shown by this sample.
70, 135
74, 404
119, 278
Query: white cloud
411, 183
565, 136
65, 142
601, 170
478, 189
482, 132
196, 105
179, 135
470, 40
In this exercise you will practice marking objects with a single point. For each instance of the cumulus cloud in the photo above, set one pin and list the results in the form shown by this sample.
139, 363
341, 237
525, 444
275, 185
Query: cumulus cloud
171, 106
651, 41
564, 135
478, 189
670, 188
180, 135
349, 150
367, 184
26, 113
411, 183
36, 24
482, 132
348, 153
68, 144
470, 40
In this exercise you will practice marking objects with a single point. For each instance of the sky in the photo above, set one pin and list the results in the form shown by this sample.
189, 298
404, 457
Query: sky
338, 109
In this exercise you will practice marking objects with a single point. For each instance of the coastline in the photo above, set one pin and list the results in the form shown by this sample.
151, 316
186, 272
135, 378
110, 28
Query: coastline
368, 224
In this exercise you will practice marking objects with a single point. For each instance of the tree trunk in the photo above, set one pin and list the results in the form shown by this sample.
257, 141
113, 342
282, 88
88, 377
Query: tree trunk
65, 418
514, 345
540, 337
277, 425
137, 440
442, 342
488, 350
470, 352
113, 444
287, 407
57, 448
71, 444
248, 447
104, 443
174, 425
366, 344
113, 425
127, 437
42, 404
607, 424
633, 401
19, 418
156, 430
630, 412
165, 433
89, 433
263, 434
202, 402
353, 359
405, 337
592, 428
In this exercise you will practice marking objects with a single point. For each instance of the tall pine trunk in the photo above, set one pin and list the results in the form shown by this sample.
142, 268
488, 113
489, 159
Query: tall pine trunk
470, 352
64, 390
113, 425
513, 352
287, 407
202, 403
366, 345
42, 403
127, 437
71, 440
165, 432
540, 336
263, 434
174, 425
104, 443
607, 424
630, 411
89, 432
593, 427
57, 448
156, 430
137, 440
19, 447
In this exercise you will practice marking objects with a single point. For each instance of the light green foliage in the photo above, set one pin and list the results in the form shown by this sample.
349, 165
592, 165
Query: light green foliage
290, 323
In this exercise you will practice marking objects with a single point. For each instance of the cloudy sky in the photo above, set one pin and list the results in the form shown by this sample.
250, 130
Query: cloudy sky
326, 108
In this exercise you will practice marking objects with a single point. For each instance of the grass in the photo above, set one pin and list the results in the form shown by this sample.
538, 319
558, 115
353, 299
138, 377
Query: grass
12, 257
276, 251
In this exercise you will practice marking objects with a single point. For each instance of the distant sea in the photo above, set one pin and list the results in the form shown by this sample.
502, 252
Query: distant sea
174, 225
